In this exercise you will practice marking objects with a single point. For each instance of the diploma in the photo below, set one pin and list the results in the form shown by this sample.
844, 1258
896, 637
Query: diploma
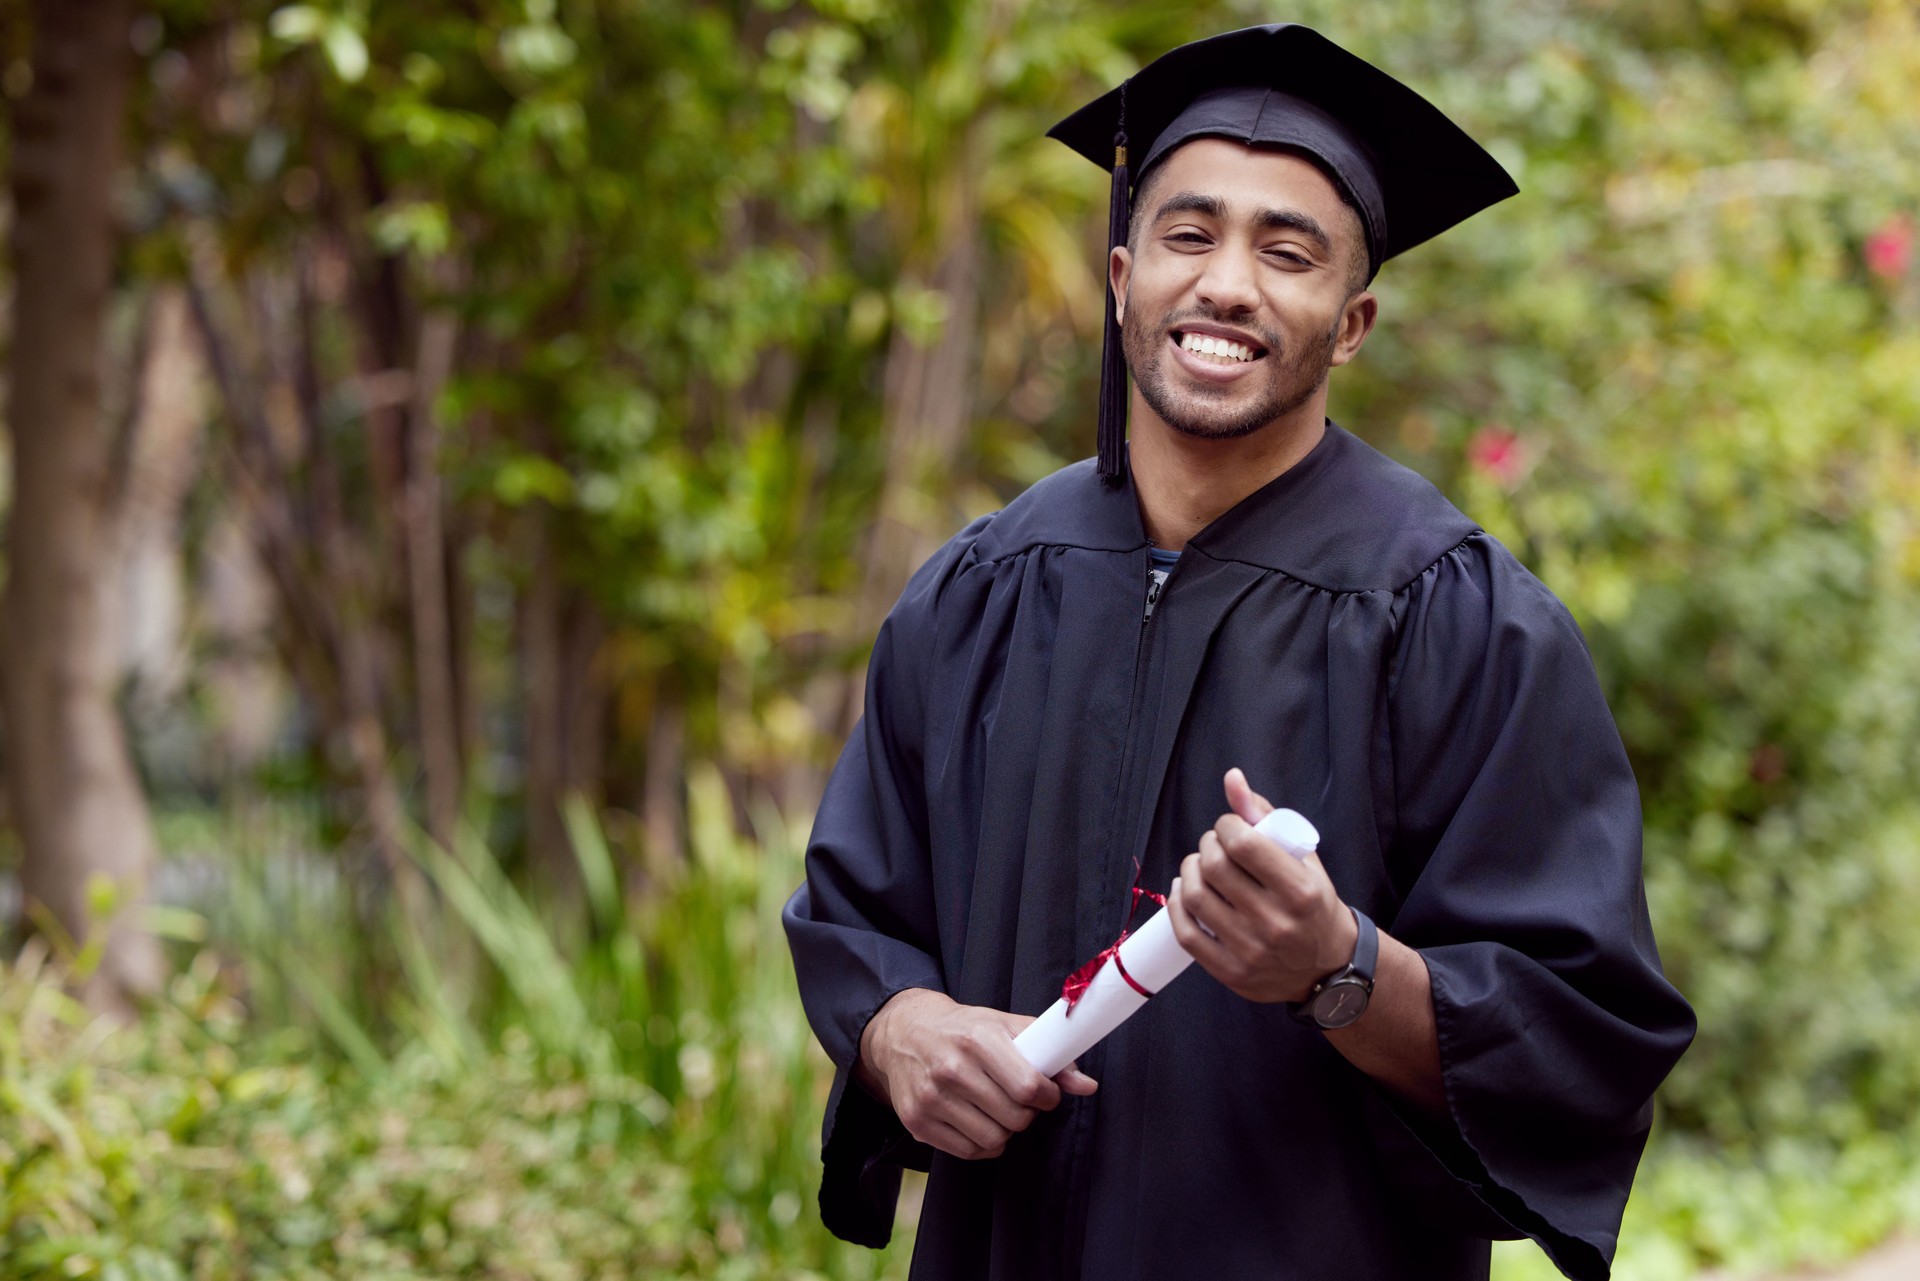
1146, 961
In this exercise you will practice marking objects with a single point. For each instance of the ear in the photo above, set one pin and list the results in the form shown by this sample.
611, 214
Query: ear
1356, 322
1119, 272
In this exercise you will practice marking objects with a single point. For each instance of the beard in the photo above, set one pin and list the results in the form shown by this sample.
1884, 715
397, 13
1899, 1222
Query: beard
1210, 412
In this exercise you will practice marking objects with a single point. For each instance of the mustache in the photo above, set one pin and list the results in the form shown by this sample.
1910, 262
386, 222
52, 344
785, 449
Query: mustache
1266, 337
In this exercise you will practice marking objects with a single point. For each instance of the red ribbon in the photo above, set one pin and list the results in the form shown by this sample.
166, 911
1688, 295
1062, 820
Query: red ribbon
1077, 982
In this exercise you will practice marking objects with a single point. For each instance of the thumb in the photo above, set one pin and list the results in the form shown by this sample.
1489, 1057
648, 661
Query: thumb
1243, 800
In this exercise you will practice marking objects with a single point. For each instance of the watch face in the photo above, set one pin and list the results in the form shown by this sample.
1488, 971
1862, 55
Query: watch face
1340, 1003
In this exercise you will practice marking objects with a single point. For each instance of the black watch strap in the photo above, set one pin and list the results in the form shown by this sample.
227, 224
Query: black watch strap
1355, 977
1366, 948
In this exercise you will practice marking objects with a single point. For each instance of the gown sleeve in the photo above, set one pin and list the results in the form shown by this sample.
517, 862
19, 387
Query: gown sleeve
862, 926
1518, 863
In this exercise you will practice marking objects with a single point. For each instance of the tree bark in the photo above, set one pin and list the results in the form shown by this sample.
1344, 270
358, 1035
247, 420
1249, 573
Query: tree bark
663, 800
427, 581
544, 717
564, 696
76, 798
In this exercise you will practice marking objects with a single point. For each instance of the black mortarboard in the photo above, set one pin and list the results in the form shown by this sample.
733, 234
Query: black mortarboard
1410, 172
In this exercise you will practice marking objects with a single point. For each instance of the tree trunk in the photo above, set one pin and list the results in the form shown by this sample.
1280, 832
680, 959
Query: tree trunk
542, 682
663, 801
76, 798
564, 693
929, 415
427, 581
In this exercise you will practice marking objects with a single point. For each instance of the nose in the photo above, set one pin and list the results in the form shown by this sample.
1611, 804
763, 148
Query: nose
1228, 285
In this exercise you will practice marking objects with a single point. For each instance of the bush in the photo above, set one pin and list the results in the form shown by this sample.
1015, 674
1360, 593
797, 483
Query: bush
191, 1145
643, 1103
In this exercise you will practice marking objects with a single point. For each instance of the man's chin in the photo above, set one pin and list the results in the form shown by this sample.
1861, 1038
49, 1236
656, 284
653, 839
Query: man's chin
1215, 429
1216, 417
1226, 413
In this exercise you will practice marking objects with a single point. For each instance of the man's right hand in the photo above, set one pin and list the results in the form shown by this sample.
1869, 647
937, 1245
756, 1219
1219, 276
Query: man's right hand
952, 1076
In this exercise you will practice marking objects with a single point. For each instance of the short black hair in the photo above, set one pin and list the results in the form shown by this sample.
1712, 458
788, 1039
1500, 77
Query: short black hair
1356, 237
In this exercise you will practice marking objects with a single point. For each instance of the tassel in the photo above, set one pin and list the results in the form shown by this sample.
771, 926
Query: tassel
1113, 362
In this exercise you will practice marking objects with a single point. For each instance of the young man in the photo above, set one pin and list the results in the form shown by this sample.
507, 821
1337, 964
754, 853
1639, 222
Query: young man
1240, 596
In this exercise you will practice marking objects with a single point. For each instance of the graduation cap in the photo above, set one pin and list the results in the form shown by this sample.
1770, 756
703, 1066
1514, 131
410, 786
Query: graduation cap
1408, 171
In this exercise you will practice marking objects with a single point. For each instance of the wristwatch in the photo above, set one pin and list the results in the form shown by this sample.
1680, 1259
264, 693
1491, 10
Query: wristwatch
1342, 996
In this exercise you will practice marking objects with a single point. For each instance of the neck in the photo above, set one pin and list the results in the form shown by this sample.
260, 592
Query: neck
1184, 483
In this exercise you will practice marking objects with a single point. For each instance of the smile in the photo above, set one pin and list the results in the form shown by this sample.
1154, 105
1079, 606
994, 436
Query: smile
1213, 359
1221, 350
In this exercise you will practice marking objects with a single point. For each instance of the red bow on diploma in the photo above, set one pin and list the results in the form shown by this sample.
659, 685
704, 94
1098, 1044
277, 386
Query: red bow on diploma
1076, 985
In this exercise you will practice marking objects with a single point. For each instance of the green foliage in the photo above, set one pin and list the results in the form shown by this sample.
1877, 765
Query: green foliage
689, 245
639, 1101
190, 1146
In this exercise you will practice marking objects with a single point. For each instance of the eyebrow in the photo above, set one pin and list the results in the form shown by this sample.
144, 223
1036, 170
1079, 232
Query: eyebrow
1266, 219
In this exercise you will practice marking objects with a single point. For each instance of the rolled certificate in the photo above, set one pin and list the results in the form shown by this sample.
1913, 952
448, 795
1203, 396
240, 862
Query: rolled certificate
1146, 961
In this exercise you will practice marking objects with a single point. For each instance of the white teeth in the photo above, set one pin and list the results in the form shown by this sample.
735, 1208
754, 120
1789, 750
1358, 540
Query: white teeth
1206, 346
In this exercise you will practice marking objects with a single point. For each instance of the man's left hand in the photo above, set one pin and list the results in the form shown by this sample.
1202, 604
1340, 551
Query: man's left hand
1274, 925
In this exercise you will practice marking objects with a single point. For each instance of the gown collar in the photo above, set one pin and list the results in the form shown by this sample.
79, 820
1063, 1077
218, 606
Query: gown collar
1344, 518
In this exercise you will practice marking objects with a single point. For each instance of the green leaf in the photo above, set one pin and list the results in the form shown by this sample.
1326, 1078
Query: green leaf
346, 50
297, 23
529, 478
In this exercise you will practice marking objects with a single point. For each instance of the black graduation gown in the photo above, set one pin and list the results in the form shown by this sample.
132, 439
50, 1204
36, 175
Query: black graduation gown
1370, 658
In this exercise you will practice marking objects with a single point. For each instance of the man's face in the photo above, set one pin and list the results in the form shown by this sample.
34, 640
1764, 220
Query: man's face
1247, 249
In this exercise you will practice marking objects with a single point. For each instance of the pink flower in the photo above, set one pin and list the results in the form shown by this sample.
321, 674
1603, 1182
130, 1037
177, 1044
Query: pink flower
1889, 250
1497, 452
